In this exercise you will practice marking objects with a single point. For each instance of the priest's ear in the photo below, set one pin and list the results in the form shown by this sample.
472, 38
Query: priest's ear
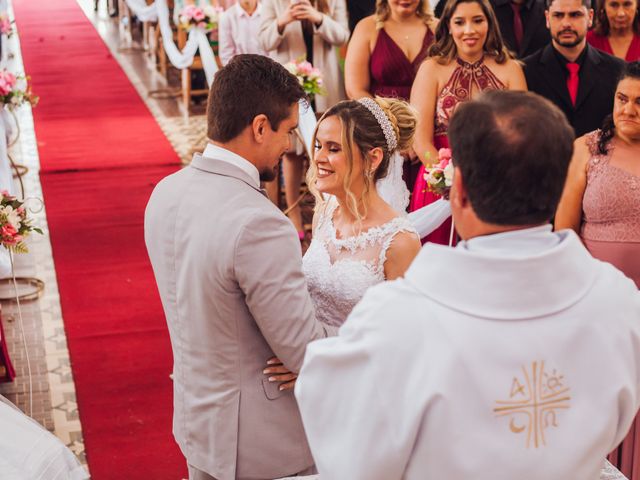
458, 193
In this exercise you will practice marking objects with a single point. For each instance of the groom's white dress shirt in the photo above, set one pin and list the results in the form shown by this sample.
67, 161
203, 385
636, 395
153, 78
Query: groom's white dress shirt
512, 356
227, 156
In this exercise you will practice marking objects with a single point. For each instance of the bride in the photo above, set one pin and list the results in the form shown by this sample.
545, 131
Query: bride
358, 238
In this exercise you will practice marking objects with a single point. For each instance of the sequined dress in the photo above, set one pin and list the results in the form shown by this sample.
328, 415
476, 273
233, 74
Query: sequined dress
611, 232
457, 90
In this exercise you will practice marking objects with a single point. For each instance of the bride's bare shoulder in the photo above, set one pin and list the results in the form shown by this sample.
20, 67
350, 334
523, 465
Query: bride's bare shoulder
404, 247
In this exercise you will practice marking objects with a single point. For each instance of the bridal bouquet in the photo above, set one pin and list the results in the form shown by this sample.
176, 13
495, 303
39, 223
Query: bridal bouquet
5, 25
15, 226
201, 17
439, 176
15, 90
309, 77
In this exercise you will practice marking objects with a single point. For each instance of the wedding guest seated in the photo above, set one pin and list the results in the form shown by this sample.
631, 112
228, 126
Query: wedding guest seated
238, 30
617, 29
512, 356
601, 202
300, 29
576, 77
522, 24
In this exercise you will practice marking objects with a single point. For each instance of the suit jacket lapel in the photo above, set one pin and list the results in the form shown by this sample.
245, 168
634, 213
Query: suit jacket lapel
225, 169
588, 74
556, 75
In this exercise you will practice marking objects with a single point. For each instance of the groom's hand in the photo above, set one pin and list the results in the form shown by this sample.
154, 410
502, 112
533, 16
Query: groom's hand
279, 373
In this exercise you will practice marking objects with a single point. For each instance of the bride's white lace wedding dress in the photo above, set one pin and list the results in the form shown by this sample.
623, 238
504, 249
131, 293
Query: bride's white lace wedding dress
340, 270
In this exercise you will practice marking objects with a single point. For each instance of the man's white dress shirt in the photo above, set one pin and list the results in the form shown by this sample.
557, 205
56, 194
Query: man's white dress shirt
224, 155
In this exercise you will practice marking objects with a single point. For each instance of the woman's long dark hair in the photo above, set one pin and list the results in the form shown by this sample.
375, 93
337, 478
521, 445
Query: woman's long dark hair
602, 26
608, 129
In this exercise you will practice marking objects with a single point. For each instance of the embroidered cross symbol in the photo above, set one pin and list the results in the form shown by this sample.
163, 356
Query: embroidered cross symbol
534, 398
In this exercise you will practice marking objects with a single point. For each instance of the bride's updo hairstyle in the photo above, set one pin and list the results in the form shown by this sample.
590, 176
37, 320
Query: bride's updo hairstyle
361, 130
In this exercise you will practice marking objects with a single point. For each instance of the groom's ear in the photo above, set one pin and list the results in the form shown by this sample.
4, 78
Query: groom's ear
259, 127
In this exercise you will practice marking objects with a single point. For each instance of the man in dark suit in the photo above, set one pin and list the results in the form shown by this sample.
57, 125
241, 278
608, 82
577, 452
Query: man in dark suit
575, 76
522, 24
358, 9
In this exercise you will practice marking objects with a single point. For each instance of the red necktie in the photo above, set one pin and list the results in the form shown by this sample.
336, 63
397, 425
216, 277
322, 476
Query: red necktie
518, 31
573, 80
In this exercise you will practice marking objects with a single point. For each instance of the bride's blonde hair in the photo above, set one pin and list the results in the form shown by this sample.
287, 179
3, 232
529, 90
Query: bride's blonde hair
361, 130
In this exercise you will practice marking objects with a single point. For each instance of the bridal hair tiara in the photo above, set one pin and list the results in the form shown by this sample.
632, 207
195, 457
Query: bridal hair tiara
383, 121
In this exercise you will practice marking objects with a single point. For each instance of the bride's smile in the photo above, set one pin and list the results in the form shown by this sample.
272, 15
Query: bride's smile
330, 162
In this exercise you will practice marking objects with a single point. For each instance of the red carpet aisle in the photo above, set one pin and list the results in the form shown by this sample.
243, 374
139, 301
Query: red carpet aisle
101, 153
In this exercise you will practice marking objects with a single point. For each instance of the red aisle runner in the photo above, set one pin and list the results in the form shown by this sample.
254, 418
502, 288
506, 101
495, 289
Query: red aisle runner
101, 153
89, 115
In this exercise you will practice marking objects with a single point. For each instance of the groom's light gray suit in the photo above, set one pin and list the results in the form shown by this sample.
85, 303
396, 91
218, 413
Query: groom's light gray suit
228, 267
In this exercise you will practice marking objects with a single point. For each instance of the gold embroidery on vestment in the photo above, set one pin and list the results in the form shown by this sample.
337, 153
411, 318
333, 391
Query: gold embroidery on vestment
534, 401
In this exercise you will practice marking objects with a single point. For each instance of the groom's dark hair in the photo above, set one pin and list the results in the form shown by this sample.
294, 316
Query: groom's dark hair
249, 85
513, 150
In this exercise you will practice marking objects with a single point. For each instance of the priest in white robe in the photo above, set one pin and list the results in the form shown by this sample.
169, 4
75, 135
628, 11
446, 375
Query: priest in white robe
515, 355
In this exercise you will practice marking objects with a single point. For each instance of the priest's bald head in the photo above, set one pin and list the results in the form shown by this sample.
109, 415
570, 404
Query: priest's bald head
511, 152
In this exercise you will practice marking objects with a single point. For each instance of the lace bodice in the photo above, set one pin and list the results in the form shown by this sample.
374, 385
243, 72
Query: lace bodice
611, 202
339, 270
458, 90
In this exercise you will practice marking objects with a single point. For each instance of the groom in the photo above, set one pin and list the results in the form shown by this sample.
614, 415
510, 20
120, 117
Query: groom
228, 267
515, 355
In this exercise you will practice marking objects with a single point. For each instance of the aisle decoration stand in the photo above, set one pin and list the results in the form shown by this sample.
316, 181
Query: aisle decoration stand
197, 41
15, 227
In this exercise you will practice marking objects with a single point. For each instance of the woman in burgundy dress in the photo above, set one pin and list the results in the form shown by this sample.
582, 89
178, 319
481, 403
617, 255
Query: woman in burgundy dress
468, 57
601, 202
385, 53
387, 49
617, 29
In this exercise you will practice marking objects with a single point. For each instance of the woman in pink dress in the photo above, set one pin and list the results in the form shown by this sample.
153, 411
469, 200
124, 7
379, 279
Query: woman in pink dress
467, 58
601, 202
617, 29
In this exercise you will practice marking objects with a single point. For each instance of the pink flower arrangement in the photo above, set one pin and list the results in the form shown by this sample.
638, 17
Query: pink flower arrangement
309, 76
15, 90
205, 17
5, 25
7, 82
439, 176
14, 224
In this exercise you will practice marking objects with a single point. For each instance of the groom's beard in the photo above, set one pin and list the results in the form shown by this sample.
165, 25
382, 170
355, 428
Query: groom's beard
268, 174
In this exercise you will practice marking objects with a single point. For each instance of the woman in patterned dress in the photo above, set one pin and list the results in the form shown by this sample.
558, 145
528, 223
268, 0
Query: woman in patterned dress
468, 57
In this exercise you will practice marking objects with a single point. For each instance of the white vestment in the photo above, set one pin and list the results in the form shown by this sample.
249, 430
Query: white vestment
513, 356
